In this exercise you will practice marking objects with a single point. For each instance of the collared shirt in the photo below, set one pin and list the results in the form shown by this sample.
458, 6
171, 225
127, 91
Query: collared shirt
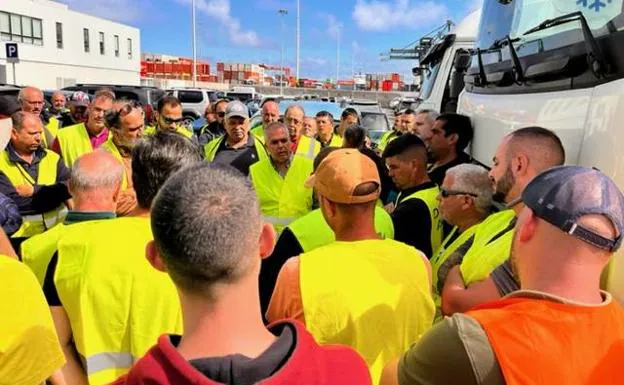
44, 198
285, 171
73, 217
99, 139
240, 158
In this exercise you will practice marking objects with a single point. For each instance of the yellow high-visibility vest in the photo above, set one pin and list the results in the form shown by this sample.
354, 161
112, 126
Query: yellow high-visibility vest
75, 142
308, 147
258, 132
429, 196
282, 200
312, 231
372, 295
117, 303
151, 130
386, 138
29, 347
485, 256
111, 147
51, 131
211, 148
35, 223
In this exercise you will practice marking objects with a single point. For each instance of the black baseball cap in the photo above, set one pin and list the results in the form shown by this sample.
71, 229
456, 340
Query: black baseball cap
561, 195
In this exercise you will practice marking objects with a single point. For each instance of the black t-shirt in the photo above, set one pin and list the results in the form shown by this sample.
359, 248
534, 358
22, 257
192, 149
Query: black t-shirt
437, 174
239, 158
387, 185
238, 369
287, 246
412, 221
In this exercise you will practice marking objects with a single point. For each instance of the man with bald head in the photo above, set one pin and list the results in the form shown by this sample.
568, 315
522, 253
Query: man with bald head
32, 101
559, 328
58, 101
519, 158
94, 184
270, 114
33, 177
301, 145
279, 180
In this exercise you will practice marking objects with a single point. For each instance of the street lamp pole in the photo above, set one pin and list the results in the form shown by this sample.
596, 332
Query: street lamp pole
194, 46
298, 39
282, 12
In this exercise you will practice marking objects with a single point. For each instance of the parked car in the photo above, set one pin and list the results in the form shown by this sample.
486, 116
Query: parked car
194, 101
147, 96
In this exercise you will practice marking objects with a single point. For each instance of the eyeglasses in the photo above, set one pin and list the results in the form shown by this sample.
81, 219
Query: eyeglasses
275, 142
171, 120
34, 102
447, 193
293, 121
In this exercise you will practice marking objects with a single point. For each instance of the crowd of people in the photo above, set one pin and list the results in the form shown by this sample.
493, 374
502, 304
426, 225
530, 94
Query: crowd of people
297, 251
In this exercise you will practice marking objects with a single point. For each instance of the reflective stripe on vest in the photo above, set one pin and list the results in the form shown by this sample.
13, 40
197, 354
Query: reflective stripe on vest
111, 147
430, 197
117, 304
151, 130
36, 223
308, 148
74, 141
538, 342
312, 231
445, 251
485, 256
353, 293
282, 199
107, 361
211, 148
385, 139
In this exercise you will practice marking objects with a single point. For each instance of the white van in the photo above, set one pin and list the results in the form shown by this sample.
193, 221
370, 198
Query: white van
556, 64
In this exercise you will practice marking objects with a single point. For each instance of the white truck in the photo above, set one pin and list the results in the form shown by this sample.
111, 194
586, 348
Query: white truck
557, 64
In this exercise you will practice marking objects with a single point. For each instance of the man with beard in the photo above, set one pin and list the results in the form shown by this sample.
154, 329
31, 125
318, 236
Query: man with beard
450, 136
279, 181
126, 126
237, 147
521, 156
560, 328
216, 128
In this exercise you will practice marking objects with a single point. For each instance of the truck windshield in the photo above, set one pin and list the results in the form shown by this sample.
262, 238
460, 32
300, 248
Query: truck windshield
515, 18
428, 77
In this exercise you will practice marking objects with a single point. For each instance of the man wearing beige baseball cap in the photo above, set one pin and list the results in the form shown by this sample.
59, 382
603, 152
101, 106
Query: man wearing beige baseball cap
369, 293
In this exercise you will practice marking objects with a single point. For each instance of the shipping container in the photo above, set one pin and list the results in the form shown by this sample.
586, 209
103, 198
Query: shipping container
220, 67
396, 78
386, 85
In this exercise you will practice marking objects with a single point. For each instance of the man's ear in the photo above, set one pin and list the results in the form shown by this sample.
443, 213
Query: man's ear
452, 139
154, 258
520, 165
526, 225
267, 240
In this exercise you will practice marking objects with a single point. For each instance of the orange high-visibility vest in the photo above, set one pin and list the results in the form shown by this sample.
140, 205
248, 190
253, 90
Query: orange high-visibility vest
540, 342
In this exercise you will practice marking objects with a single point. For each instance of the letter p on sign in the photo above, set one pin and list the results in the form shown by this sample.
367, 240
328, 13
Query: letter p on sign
12, 53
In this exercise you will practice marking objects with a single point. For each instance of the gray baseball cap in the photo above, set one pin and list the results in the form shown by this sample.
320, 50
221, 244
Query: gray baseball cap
562, 195
236, 108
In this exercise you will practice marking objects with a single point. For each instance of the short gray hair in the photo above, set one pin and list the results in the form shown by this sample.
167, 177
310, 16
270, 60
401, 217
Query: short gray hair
293, 107
473, 179
22, 93
96, 171
275, 126
207, 230
432, 115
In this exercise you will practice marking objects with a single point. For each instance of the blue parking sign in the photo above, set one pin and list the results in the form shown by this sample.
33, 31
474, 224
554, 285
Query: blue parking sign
12, 54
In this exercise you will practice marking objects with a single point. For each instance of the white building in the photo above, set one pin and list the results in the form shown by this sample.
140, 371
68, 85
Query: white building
60, 47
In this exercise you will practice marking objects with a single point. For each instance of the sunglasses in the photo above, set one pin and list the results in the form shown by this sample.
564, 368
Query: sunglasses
447, 193
171, 120
220, 114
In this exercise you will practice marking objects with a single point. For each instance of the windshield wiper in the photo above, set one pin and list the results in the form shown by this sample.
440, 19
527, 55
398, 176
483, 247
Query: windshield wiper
516, 69
598, 64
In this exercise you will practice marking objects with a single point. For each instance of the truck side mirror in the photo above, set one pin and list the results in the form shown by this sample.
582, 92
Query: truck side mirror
416, 71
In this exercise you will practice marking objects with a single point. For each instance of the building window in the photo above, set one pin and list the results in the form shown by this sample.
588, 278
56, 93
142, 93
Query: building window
59, 35
85, 33
116, 46
129, 48
21, 29
102, 43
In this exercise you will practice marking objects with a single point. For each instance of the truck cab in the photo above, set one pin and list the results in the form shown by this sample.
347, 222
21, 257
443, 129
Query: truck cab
556, 64
440, 87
